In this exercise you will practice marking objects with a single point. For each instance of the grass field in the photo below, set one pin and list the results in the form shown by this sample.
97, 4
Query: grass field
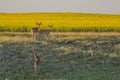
77, 22
79, 56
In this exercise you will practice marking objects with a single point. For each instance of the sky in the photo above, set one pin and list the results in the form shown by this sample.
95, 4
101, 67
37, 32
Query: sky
79, 6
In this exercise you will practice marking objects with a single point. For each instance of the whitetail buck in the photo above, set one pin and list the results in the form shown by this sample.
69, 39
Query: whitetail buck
45, 32
36, 62
35, 30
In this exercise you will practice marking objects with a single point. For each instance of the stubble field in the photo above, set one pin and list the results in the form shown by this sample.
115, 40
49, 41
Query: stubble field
64, 56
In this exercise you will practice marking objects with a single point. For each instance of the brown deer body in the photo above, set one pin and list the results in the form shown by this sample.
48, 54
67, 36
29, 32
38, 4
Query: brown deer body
36, 61
45, 32
35, 30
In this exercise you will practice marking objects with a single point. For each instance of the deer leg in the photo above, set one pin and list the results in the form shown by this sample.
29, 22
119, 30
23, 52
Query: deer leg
36, 67
35, 35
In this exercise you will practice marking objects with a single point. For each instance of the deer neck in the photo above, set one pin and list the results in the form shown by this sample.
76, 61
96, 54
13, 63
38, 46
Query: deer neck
37, 26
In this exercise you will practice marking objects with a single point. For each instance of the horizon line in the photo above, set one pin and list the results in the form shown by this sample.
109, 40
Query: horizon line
60, 12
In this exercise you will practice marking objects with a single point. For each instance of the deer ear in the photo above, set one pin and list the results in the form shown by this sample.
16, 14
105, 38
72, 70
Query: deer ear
36, 22
40, 23
50, 25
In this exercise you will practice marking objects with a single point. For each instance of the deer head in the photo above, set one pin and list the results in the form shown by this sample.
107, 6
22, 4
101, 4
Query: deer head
38, 24
50, 26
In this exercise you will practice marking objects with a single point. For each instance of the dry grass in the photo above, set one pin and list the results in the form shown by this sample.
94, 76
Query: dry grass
87, 33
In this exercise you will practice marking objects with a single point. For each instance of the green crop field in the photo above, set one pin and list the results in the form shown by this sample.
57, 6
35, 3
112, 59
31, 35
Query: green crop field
64, 56
23, 22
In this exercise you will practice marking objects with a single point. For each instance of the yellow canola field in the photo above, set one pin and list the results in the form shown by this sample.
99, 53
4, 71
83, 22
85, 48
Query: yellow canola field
76, 22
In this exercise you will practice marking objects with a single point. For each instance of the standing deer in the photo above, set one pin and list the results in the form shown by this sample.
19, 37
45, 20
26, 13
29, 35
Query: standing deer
45, 32
35, 30
36, 61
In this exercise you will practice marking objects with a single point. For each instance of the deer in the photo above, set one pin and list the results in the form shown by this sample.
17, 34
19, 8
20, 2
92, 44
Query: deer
36, 61
45, 32
35, 30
